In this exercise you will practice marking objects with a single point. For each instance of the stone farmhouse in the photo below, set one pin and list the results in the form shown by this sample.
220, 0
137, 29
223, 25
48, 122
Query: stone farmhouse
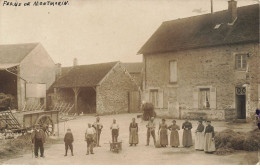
205, 66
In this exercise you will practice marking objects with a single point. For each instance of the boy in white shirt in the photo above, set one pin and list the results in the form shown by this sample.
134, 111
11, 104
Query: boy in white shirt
89, 137
115, 130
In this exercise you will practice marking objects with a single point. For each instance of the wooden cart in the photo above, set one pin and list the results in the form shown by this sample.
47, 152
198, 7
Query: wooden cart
24, 121
115, 146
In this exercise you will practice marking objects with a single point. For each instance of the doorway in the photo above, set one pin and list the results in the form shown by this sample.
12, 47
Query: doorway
134, 102
241, 102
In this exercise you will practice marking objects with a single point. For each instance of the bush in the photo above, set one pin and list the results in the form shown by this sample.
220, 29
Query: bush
252, 141
148, 111
228, 141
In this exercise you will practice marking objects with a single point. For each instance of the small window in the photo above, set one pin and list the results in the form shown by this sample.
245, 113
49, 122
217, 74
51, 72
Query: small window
241, 62
154, 97
204, 98
173, 71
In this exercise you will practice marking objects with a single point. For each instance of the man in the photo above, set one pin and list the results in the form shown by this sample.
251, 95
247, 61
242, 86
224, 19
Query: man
114, 130
150, 131
89, 137
68, 139
38, 139
98, 127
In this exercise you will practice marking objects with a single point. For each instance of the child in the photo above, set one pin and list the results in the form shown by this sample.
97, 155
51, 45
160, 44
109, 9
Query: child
114, 130
68, 139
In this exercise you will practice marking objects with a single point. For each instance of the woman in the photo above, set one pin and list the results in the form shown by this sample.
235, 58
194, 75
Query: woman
163, 133
209, 143
187, 138
199, 136
174, 139
133, 129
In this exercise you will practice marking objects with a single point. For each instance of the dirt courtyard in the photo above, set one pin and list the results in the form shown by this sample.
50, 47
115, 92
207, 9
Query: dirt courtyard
140, 154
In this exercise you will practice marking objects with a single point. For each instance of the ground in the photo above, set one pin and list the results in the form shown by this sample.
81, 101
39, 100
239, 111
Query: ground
140, 154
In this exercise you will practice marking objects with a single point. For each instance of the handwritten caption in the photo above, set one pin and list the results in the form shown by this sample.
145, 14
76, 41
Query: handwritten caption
36, 3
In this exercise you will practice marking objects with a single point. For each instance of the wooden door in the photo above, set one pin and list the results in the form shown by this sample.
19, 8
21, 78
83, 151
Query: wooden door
241, 102
133, 102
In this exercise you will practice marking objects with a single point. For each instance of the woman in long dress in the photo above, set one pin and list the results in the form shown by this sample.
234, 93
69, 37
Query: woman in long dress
133, 129
199, 137
163, 133
187, 138
174, 138
209, 142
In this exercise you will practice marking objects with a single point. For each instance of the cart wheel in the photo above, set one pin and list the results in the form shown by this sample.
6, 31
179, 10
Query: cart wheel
46, 124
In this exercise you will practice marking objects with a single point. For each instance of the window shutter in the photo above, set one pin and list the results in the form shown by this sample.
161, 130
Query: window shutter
213, 98
173, 71
146, 96
160, 96
195, 98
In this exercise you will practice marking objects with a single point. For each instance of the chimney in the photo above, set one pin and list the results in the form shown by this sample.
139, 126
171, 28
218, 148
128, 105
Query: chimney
75, 62
58, 70
211, 3
232, 11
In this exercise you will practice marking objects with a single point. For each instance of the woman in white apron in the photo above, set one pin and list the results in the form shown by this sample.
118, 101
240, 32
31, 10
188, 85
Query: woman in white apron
199, 136
209, 142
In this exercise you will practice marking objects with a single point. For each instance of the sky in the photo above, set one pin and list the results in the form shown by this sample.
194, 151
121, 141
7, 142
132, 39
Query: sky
96, 31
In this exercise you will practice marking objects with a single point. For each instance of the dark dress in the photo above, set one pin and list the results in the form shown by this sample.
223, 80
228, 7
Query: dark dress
133, 137
187, 138
174, 139
163, 134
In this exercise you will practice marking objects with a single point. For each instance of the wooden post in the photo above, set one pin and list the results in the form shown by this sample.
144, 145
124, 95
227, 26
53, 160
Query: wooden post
76, 93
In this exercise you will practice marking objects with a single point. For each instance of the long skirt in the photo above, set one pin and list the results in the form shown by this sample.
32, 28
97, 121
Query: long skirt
209, 144
187, 138
199, 141
174, 139
133, 137
163, 137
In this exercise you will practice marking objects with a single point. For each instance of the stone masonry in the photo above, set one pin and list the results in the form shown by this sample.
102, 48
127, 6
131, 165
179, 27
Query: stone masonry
212, 67
112, 93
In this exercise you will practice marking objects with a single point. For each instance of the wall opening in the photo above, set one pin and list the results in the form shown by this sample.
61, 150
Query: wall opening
241, 102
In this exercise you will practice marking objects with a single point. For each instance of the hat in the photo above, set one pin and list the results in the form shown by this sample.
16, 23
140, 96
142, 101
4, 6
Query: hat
208, 121
68, 129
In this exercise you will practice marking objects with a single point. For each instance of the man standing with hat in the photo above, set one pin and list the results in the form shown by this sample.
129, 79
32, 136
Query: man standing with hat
98, 127
38, 139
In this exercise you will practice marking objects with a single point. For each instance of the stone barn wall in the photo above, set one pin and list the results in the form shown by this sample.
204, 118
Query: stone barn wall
112, 93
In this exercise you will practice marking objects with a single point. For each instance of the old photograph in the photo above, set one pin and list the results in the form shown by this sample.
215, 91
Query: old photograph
129, 82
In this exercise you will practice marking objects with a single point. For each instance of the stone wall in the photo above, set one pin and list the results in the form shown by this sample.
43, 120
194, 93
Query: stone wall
210, 67
112, 94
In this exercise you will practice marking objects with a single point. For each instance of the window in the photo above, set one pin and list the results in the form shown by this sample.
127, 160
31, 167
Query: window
204, 98
241, 61
173, 71
154, 97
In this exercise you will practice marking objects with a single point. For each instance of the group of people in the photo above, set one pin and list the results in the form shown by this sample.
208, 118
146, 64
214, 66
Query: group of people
204, 138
